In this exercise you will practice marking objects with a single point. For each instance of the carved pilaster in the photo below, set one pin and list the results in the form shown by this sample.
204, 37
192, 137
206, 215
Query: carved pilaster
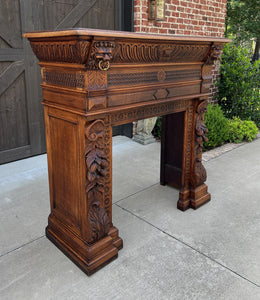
199, 172
98, 192
184, 195
199, 192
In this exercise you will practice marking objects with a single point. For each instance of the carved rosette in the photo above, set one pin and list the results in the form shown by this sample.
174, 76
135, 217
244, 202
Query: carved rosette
199, 174
206, 72
100, 56
97, 179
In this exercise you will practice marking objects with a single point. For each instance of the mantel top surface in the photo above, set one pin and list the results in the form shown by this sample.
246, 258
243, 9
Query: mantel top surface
87, 32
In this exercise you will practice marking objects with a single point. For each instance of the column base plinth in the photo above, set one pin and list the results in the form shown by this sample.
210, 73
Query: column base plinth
193, 198
89, 258
199, 196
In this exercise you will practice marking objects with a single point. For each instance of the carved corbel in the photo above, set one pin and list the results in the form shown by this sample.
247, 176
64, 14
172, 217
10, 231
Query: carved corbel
101, 55
206, 72
199, 175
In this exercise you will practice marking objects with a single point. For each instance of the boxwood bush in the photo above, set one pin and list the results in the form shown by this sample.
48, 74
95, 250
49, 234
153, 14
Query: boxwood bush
217, 126
239, 84
221, 129
241, 130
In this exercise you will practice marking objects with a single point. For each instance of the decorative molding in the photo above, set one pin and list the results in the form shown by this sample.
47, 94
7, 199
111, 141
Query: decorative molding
199, 174
115, 79
206, 75
161, 75
75, 80
190, 136
98, 169
151, 52
96, 80
147, 112
135, 52
62, 51
182, 52
161, 94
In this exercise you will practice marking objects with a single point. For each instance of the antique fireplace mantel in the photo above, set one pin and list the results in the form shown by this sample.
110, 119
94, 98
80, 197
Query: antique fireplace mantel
93, 80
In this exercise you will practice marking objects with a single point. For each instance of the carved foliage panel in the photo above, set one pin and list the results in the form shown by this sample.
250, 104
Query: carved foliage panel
199, 174
98, 178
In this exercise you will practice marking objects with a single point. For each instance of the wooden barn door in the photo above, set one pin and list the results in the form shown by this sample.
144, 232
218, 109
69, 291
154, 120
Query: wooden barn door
21, 113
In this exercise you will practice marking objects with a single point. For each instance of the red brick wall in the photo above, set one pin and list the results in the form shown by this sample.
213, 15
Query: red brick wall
187, 17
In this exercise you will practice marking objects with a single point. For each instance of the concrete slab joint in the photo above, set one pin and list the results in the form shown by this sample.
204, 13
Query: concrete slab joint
144, 131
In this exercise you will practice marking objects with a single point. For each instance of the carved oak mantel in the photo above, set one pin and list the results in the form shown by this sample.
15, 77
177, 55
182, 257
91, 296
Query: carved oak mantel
93, 80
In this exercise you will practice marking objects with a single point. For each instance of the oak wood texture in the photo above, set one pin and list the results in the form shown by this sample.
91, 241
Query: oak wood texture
93, 80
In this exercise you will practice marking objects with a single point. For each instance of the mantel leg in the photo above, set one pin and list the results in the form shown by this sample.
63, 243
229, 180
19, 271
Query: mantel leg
199, 191
181, 155
194, 191
80, 177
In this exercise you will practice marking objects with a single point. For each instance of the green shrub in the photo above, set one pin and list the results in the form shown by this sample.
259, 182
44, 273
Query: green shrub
221, 129
217, 126
239, 85
241, 130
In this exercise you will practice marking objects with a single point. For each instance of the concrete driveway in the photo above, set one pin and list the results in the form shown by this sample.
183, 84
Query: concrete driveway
210, 253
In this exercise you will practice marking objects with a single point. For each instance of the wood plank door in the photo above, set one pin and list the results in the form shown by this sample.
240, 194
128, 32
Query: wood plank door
21, 113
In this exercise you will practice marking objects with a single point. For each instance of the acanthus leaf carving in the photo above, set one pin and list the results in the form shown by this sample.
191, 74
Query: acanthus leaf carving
97, 166
99, 221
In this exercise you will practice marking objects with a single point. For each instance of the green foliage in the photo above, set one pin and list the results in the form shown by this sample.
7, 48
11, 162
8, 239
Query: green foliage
157, 131
239, 90
221, 129
217, 126
243, 23
243, 19
241, 130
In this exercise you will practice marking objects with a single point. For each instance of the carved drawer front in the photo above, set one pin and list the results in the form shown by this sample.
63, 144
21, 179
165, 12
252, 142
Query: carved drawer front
156, 77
